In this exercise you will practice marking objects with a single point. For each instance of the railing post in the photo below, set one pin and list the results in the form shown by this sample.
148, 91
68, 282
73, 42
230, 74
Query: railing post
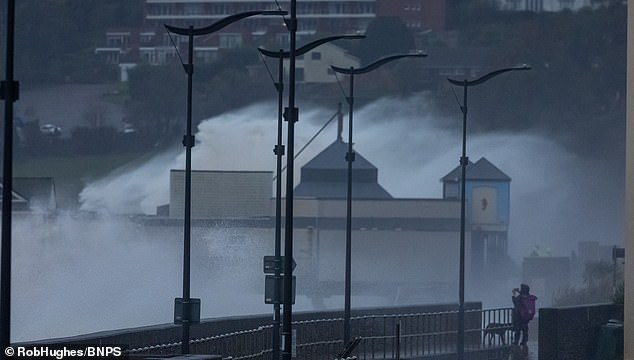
398, 340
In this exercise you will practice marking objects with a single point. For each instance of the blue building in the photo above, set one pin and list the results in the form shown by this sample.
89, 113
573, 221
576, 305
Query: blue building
487, 195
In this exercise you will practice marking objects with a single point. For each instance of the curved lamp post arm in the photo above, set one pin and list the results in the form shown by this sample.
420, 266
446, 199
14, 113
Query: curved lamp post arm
374, 65
308, 47
488, 76
219, 24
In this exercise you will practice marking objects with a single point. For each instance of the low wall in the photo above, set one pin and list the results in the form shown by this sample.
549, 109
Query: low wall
170, 333
571, 333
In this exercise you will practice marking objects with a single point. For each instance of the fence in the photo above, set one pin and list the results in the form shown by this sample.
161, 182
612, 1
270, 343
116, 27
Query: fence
392, 336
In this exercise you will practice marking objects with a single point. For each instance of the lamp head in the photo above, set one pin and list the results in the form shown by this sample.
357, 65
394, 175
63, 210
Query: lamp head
191, 31
376, 64
306, 48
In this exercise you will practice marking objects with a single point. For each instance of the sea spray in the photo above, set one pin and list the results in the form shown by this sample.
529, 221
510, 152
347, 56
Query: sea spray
77, 273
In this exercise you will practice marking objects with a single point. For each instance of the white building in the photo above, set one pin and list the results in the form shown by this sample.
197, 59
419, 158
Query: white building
314, 66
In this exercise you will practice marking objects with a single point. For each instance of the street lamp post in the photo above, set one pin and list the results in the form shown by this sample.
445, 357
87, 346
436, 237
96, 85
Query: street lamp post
278, 150
292, 116
184, 312
464, 161
350, 158
9, 93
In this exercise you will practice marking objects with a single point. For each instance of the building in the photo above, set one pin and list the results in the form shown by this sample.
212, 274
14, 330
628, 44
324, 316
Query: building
33, 194
151, 44
418, 15
401, 247
314, 66
546, 5
335, 17
487, 194
222, 194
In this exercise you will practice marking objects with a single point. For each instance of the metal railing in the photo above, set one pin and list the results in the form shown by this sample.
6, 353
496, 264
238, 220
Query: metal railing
381, 337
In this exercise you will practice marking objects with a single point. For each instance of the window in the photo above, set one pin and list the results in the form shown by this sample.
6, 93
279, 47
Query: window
193, 9
299, 74
230, 41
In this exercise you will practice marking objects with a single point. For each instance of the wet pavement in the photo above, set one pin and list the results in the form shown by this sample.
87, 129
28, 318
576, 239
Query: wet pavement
528, 352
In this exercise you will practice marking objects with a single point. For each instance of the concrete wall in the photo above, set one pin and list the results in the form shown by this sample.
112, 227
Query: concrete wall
222, 194
571, 333
170, 333
384, 208
390, 256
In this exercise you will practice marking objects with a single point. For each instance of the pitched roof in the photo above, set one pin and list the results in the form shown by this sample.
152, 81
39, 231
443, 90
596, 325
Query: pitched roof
334, 157
34, 191
326, 176
483, 169
34, 187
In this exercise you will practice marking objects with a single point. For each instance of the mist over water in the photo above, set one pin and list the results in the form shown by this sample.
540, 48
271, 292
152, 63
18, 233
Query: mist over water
76, 274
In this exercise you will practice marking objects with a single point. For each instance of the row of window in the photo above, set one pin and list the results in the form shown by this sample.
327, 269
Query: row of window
263, 24
230, 8
123, 40
412, 7
544, 5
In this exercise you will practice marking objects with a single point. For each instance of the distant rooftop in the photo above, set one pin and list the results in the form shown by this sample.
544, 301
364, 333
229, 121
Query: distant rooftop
483, 169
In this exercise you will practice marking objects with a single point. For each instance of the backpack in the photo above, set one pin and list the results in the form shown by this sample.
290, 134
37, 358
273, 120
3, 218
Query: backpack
527, 307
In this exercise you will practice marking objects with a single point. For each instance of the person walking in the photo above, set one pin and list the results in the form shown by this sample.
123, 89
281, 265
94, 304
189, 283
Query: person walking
523, 313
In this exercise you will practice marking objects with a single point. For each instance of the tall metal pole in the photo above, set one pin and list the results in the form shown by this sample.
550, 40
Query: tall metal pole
291, 116
464, 161
9, 94
190, 313
188, 142
349, 159
279, 152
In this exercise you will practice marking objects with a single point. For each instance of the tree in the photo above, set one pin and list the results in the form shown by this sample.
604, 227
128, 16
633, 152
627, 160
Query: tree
56, 39
157, 99
576, 83
385, 36
463, 14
